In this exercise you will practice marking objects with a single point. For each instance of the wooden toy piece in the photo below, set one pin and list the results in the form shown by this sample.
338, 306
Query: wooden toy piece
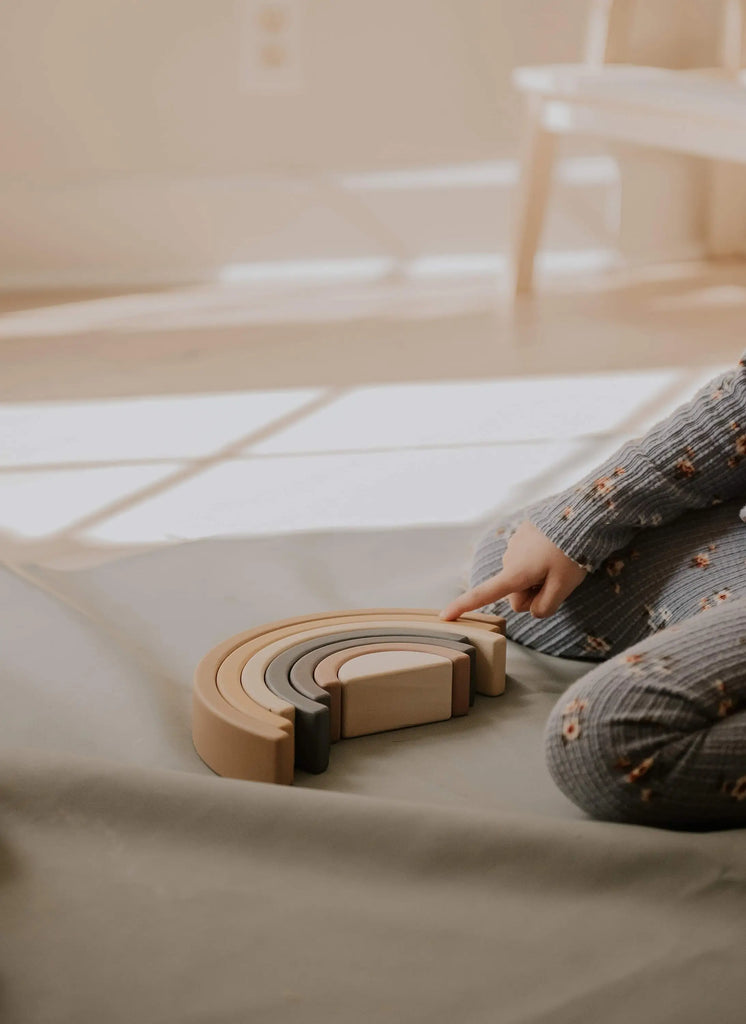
489, 645
236, 679
244, 690
326, 672
303, 671
393, 690
238, 746
250, 743
235, 737
311, 718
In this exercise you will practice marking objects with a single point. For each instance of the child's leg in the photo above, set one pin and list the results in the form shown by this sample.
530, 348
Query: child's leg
657, 734
666, 575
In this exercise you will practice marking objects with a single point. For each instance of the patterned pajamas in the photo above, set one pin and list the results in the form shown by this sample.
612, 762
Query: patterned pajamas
655, 733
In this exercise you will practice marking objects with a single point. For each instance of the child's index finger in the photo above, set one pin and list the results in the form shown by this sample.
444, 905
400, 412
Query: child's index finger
491, 590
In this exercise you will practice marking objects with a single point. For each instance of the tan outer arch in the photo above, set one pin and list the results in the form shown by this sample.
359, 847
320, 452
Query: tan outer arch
249, 742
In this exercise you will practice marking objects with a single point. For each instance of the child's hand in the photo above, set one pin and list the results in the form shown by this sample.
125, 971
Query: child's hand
535, 574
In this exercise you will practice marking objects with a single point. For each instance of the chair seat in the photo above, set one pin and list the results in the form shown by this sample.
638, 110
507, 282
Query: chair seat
706, 94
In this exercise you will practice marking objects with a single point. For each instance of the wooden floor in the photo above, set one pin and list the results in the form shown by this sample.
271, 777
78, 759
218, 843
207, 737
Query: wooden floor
76, 365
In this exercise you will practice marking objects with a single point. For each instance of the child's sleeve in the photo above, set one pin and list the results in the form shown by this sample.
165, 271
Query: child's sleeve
694, 458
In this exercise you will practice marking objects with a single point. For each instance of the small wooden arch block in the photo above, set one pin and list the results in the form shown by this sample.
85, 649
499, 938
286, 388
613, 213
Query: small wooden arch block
327, 675
394, 689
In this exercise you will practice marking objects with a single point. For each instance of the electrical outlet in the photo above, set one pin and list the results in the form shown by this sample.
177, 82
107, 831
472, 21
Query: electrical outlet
271, 51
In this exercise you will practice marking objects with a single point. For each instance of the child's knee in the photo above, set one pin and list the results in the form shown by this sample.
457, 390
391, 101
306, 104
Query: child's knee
623, 747
584, 757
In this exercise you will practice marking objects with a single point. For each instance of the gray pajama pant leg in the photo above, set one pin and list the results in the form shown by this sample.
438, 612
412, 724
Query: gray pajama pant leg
655, 733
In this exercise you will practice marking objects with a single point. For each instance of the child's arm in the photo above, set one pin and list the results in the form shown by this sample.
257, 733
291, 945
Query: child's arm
694, 458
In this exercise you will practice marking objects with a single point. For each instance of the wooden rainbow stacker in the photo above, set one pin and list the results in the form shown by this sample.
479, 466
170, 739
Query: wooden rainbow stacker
276, 697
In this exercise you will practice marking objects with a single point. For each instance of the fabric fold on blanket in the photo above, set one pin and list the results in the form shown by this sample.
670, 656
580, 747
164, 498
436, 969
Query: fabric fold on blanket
132, 894
432, 874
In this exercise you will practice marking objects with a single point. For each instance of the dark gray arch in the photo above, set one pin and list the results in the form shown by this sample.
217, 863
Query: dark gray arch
312, 716
302, 672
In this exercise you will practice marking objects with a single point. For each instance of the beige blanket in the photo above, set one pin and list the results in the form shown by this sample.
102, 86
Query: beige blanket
431, 875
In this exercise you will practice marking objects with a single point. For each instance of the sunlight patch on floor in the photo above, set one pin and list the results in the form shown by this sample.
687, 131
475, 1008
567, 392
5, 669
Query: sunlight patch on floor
171, 427
255, 463
347, 491
41, 504
471, 412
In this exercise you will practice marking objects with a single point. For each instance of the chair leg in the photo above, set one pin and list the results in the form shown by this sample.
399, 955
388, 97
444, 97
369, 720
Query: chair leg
531, 200
725, 209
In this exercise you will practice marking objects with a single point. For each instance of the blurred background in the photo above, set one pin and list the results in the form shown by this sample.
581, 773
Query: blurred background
258, 258
244, 139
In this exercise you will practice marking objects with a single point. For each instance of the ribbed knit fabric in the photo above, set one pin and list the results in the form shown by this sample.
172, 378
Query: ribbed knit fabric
693, 459
667, 575
665, 620
656, 733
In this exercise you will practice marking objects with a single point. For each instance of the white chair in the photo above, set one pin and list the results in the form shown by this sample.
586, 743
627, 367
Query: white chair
700, 112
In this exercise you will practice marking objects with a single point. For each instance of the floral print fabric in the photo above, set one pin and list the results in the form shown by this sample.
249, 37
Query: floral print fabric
693, 459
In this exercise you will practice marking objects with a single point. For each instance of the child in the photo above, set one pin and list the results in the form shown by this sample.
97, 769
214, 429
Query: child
641, 566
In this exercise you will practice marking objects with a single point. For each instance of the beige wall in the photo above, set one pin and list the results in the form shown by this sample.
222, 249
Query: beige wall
134, 149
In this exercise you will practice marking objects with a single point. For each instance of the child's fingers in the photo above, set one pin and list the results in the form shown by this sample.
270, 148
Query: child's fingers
494, 589
547, 600
521, 600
